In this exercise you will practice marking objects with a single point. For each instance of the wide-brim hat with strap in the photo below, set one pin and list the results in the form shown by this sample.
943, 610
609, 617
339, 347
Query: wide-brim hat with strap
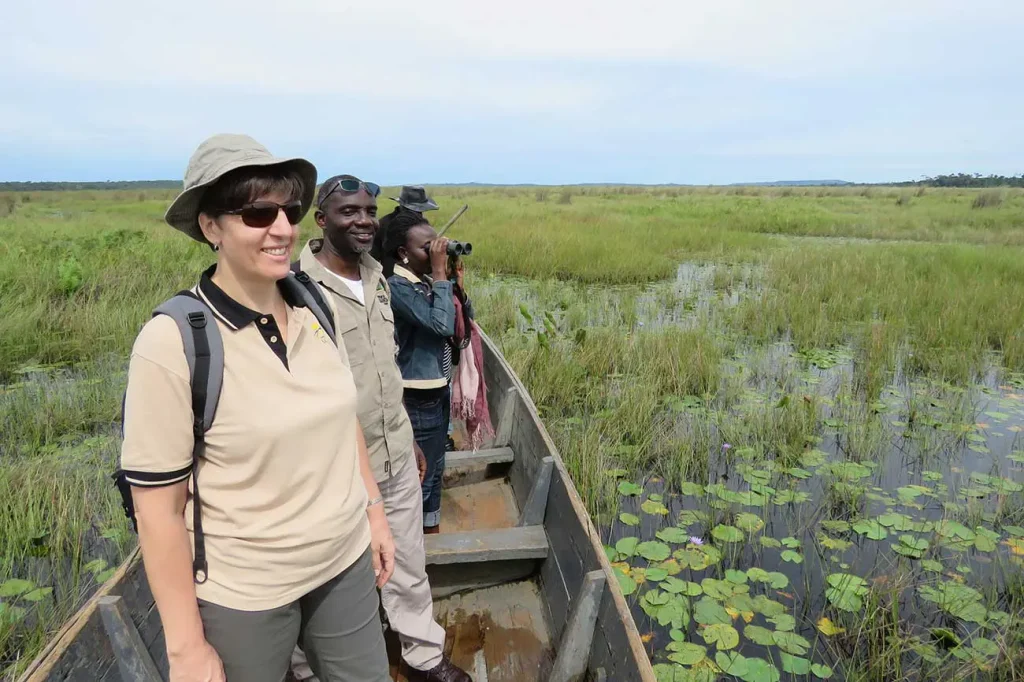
414, 198
216, 157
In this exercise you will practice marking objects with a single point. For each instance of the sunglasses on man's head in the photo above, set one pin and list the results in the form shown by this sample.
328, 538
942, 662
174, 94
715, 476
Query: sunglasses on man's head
264, 213
351, 185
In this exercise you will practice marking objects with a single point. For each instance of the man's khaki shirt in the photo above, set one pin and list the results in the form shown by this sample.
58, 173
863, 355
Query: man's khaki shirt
368, 332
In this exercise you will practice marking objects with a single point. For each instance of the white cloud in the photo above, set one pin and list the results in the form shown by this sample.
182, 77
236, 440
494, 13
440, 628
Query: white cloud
721, 77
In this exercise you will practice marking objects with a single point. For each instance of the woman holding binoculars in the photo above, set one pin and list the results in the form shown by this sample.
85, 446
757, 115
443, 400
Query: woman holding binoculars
416, 263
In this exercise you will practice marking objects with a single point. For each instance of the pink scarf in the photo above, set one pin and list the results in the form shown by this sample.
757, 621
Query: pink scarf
469, 392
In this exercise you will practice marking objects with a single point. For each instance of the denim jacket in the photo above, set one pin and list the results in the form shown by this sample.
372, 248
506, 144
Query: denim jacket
424, 320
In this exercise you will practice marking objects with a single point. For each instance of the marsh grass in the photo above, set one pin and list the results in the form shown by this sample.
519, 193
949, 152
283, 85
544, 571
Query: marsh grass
635, 362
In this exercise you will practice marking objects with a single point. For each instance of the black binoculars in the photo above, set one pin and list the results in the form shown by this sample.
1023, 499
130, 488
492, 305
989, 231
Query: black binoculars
459, 248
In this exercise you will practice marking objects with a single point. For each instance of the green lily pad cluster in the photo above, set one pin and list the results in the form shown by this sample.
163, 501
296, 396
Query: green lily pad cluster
925, 536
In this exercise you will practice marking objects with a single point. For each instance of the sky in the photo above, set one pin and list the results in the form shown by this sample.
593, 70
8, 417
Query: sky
534, 91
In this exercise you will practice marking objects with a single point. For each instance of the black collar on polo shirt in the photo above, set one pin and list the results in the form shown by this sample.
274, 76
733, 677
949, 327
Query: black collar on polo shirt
230, 311
237, 316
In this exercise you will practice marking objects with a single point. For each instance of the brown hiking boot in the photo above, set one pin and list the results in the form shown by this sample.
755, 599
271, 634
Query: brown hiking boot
445, 671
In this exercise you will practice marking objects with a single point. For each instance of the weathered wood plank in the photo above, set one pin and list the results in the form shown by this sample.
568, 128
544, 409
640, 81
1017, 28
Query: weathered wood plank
537, 503
133, 659
502, 544
449, 579
503, 430
573, 554
467, 458
574, 648
531, 449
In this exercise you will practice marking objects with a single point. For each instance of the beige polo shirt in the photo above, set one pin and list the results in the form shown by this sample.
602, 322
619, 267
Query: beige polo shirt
368, 331
283, 502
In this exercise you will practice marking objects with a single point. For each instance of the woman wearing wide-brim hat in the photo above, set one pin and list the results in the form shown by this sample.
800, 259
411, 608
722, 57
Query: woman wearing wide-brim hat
295, 536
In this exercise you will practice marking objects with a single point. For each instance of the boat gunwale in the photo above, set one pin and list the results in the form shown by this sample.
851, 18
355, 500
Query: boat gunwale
644, 665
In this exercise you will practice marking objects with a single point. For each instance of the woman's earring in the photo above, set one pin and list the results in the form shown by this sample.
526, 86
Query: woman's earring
216, 247
405, 261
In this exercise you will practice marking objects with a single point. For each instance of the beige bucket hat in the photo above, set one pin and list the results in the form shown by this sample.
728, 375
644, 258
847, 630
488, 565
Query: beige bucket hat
218, 156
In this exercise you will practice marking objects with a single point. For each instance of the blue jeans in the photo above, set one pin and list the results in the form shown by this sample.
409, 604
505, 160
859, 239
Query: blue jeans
430, 411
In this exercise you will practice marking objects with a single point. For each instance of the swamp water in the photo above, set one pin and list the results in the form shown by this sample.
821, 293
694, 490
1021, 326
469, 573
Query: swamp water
886, 544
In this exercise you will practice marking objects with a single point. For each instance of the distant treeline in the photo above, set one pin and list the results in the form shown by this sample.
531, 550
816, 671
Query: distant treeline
66, 186
968, 180
952, 180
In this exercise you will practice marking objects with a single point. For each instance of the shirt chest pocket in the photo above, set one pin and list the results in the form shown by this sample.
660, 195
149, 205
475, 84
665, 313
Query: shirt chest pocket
356, 344
385, 331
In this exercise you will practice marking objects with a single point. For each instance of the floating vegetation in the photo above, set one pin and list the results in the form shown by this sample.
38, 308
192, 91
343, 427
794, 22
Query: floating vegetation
922, 571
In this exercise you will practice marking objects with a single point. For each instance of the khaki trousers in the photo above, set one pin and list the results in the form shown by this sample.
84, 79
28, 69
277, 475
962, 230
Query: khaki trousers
338, 623
406, 597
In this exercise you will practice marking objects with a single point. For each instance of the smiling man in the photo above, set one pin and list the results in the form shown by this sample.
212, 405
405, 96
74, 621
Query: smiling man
340, 262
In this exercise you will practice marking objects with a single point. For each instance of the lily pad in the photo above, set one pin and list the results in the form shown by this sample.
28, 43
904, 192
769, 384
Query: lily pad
767, 607
748, 522
709, 612
871, 529
37, 594
759, 635
932, 565
688, 517
686, 653
956, 599
722, 589
760, 670
629, 519
828, 628
836, 526
792, 643
656, 575
15, 587
985, 540
673, 534
770, 542
986, 647
910, 546
791, 542
626, 584
775, 579
784, 497
736, 577
653, 551
721, 635
792, 556
654, 508
629, 489
732, 663
783, 622
834, 543
725, 533
846, 591
627, 546
794, 664
821, 671
847, 471
691, 489
900, 522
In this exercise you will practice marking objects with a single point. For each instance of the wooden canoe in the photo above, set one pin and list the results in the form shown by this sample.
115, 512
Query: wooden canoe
520, 579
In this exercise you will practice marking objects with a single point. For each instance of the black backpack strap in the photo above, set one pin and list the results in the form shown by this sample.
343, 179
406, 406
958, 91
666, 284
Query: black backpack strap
306, 290
204, 351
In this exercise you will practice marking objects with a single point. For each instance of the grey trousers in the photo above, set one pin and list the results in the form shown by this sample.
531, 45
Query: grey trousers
338, 625
406, 597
